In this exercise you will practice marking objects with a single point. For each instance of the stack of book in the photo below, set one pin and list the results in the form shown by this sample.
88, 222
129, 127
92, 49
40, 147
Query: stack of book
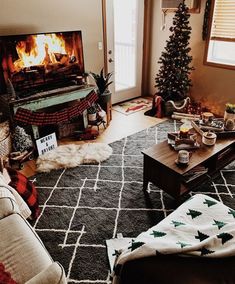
178, 143
195, 173
215, 125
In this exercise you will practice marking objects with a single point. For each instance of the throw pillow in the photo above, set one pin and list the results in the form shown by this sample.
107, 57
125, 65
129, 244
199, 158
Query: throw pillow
26, 189
5, 277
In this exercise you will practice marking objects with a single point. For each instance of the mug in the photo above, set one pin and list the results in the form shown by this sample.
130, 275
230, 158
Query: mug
209, 138
207, 117
183, 157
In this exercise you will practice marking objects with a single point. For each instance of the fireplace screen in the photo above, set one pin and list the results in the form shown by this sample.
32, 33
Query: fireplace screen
40, 62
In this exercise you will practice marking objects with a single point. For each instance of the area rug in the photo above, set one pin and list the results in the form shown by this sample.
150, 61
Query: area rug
83, 207
133, 106
72, 155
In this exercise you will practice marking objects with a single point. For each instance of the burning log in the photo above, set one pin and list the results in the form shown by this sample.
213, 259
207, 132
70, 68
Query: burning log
62, 58
61, 69
33, 63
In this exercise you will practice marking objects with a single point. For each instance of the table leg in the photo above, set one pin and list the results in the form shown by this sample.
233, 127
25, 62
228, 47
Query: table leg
145, 173
85, 120
35, 132
145, 184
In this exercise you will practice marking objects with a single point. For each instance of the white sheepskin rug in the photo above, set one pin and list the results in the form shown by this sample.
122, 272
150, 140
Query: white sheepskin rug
70, 156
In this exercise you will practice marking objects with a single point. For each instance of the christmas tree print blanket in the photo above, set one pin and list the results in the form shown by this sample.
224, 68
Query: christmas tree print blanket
200, 227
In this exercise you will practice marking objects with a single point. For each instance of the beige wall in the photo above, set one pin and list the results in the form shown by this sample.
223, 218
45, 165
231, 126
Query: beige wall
32, 16
212, 86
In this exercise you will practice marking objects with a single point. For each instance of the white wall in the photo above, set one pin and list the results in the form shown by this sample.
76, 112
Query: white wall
32, 16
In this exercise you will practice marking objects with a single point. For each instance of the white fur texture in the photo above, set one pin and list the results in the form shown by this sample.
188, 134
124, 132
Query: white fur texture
69, 156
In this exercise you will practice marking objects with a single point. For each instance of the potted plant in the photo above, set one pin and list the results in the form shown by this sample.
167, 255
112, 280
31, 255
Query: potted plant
229, 112
92, 113
102, 81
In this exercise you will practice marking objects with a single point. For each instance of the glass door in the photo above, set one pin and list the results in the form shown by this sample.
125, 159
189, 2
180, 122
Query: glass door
125, 56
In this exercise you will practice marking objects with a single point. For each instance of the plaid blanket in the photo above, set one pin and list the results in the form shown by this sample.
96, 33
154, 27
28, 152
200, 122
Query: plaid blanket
26, 190
42, 118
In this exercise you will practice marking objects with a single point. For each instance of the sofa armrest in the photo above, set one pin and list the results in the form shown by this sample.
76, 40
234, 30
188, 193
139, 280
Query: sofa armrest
8, 206
16, 205
53, 274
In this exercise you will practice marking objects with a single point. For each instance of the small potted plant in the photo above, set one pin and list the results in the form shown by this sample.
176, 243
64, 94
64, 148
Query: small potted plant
102, 82
229, 112
92, 113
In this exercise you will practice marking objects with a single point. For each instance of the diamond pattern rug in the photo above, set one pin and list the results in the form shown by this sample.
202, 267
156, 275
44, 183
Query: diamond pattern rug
84, 206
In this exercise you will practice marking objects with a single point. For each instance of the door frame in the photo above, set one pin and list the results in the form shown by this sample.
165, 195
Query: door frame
146, 43
104, 23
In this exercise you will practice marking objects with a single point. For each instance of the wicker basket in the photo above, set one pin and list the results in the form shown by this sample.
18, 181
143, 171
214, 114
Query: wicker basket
67, 129
5, 139
5, 146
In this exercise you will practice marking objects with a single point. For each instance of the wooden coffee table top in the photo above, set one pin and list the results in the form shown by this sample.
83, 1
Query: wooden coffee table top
164, 154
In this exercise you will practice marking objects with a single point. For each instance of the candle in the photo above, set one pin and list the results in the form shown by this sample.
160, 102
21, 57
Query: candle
184, 132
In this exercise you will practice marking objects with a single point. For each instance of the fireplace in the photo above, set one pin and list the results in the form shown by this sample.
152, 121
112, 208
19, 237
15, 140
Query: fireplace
39, 62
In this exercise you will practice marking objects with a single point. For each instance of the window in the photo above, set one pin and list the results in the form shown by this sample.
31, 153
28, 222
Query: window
220, 47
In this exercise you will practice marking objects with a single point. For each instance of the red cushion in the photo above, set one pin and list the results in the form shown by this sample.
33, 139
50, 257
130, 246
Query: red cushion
26, 189
5, 277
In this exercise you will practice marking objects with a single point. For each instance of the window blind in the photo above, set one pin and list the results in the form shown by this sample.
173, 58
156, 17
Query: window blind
223, 23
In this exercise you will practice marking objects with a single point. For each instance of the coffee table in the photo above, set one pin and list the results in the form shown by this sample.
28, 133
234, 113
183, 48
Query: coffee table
160, 167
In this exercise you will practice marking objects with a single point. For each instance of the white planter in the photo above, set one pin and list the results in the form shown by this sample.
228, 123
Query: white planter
229, 116
91, 116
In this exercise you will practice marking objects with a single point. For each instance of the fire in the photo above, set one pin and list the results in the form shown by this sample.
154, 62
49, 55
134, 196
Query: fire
39, 50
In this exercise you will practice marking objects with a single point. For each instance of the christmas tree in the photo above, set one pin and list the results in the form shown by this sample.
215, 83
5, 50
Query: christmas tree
173, 80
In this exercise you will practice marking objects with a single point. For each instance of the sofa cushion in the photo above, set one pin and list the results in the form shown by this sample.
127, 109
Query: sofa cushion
21, 250
26, 189
53, 274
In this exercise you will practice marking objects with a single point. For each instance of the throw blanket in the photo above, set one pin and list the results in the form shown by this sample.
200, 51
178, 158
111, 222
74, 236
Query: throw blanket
43, 118
202, 227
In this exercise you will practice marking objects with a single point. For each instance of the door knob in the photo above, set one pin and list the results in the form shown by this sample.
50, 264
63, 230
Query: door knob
111, 60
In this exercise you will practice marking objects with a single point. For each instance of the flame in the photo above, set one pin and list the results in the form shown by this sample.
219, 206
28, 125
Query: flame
185, 127
38, 50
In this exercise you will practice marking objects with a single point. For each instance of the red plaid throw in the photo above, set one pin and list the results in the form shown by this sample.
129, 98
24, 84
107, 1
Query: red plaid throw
5, 277
26, 189
64, 115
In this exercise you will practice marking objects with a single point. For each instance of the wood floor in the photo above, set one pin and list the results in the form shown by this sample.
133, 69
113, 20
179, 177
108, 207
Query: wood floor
120, 126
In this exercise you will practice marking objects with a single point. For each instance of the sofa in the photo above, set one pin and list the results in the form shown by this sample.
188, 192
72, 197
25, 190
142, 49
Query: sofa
22, 253
174, 269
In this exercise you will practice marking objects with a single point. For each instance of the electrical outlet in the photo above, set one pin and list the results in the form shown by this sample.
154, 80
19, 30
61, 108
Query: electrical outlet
100, 45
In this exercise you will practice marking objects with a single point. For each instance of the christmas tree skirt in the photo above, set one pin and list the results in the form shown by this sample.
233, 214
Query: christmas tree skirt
133, 106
